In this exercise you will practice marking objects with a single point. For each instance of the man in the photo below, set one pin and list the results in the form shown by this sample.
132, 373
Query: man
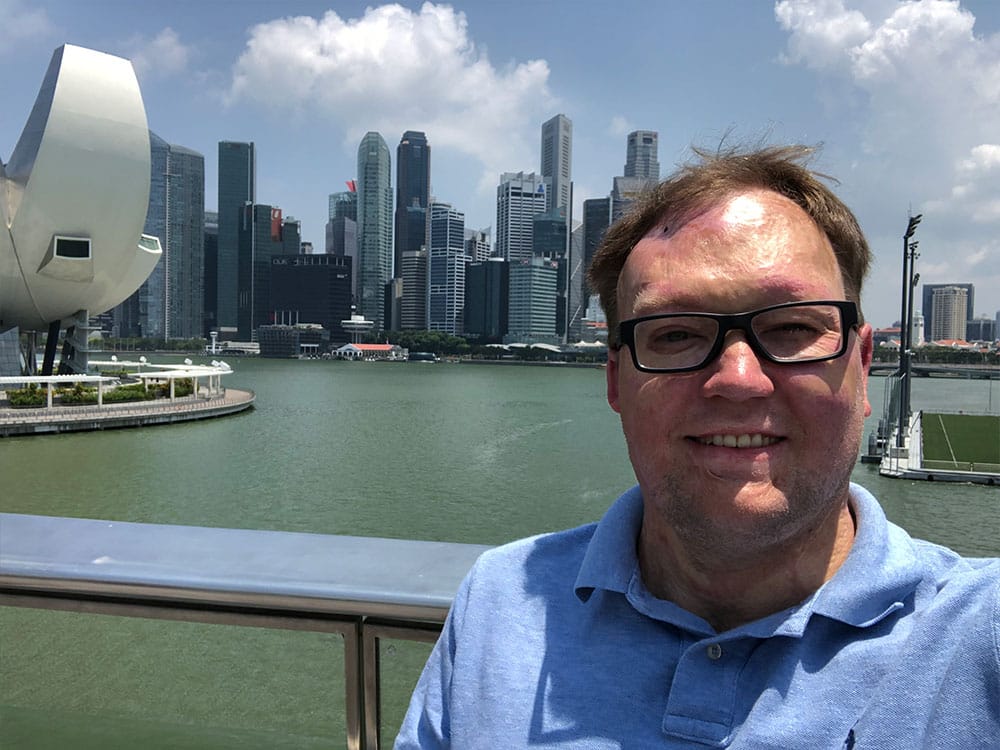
745, 594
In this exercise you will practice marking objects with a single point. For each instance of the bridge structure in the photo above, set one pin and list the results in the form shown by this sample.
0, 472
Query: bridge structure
939, 370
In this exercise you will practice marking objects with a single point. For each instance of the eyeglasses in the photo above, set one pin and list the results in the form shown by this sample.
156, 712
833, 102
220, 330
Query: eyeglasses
792, 333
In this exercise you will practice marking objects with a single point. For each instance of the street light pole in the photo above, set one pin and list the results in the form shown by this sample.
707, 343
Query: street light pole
905, 325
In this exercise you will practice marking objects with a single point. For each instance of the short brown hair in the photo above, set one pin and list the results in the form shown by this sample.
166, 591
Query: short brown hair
715, 176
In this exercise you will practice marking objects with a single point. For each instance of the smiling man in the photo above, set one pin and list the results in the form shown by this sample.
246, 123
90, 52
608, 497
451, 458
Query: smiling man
745, 594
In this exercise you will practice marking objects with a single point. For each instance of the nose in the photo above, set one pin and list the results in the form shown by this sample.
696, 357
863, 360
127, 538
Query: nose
738, 374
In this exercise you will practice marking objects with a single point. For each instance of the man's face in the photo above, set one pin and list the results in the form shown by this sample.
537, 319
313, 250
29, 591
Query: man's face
803, 421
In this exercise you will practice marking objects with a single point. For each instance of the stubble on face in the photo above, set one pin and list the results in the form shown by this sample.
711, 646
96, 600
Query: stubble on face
760, 249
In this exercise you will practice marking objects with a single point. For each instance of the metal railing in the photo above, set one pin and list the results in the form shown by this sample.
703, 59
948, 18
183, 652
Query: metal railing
363, 588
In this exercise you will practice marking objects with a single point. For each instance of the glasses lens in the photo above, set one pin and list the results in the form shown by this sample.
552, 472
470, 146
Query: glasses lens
798, 333
675, 341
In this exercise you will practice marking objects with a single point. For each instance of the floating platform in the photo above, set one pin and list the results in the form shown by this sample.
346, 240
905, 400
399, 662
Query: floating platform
942, 447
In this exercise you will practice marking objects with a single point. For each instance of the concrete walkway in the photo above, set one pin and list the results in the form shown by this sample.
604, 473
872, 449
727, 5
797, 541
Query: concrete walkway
43, 420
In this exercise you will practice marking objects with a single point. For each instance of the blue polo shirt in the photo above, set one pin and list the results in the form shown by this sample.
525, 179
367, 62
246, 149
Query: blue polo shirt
554, 642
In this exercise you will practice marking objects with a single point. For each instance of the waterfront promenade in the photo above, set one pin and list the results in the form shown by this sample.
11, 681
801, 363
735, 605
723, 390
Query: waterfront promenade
76, 418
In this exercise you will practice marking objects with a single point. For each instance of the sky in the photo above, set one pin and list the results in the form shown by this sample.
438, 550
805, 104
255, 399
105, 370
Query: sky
903, 97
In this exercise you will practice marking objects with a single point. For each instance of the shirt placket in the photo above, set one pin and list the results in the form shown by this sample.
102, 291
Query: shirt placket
702, 700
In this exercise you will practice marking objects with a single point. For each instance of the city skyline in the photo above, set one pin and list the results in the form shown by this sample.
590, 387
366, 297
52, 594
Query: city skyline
901, 94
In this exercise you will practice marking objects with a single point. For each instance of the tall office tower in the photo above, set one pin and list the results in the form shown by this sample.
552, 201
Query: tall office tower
532, 305
557, 159
477, 244
413, 185
596, 220
312, 289
930, 313
374, 226
342, 232
949, 305
520, 198
211, 272
487, 292
413, 307
169, 303
556, 168
549, 241
446, 268
641, 155
237, 187
577, 309
261, 236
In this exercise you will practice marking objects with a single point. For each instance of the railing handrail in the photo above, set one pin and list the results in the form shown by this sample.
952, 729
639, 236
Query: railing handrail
242, 576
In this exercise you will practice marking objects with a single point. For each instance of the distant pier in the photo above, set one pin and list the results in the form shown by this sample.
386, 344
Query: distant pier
74, 418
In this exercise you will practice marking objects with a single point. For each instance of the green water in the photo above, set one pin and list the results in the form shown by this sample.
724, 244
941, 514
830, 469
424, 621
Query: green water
446, 452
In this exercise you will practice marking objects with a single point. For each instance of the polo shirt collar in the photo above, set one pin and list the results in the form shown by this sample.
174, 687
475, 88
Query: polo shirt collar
881, 570
611, 560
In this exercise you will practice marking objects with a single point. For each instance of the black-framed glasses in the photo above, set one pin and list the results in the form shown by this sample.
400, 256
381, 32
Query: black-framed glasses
792, 333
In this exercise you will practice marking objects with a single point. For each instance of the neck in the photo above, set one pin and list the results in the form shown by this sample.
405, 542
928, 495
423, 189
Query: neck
729, 588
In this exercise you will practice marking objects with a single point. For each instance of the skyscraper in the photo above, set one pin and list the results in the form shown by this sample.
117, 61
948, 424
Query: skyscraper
487, 292
261, 235
520, 197
210, 305
556, 163
413, 306
237, 187
641, 155
374, 225
413, 185
532, 306
342, 232
169, 303
949, 304
446, 269
642, 171
930, 313
596, 220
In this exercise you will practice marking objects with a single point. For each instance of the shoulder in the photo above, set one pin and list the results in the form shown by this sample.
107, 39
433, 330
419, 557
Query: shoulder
552, 558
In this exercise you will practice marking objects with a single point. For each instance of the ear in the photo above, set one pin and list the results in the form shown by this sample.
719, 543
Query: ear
867, 351
611, 373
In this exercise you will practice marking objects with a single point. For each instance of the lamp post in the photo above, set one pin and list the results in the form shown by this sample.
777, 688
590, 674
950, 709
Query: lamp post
905, 325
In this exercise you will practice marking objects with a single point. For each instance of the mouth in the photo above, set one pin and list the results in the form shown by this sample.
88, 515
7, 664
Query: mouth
744, 440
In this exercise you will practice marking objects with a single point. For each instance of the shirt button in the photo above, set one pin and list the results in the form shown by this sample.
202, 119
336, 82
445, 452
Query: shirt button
714, 652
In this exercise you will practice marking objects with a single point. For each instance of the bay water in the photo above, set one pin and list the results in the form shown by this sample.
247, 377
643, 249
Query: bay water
453, 452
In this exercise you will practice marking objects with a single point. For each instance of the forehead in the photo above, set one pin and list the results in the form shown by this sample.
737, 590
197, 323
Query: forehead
749, 250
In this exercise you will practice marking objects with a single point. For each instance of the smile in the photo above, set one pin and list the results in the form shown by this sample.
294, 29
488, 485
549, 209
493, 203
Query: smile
738, 441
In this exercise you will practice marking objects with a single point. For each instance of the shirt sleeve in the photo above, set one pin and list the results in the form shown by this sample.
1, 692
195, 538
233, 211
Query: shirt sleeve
427, 725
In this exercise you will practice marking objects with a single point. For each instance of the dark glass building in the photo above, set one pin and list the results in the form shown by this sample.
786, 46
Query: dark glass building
237, 188
413, 185
312, 289
596, 220
210, 293
261, 236
487, 285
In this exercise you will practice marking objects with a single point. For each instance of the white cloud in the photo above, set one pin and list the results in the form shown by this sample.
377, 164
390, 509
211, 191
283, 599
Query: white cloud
823, 31
163, 55
21, 25
920, 88
393, 70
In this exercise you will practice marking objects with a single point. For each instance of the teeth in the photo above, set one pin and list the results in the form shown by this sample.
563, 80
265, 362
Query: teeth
738, 441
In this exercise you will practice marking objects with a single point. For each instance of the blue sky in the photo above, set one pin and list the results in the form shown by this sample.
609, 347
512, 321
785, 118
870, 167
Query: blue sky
904, 97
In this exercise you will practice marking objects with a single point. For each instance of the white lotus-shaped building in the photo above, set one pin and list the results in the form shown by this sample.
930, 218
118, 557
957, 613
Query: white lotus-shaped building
74, 194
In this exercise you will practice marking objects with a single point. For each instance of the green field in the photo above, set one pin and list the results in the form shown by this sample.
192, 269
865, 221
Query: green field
966, 442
